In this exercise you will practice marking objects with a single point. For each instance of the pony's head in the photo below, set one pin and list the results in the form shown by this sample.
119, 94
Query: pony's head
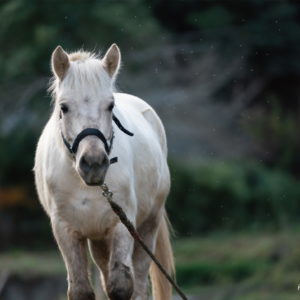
83, 89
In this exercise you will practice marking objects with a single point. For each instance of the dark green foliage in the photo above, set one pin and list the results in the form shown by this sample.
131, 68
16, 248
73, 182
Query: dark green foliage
266, 34
224, 196
41, 25
276, 130
265, 30
202, 273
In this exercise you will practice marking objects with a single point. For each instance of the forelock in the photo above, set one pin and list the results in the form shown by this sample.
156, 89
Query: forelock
85, 69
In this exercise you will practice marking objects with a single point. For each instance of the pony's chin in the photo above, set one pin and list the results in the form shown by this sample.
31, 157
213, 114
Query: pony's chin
100, 182
92, 180
93, 183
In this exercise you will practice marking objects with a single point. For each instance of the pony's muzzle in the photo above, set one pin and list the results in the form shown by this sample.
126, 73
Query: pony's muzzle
93, 168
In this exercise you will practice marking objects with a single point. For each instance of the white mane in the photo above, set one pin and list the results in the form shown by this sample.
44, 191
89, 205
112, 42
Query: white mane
86, 69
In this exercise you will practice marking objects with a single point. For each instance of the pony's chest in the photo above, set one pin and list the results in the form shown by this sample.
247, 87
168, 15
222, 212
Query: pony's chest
88, 214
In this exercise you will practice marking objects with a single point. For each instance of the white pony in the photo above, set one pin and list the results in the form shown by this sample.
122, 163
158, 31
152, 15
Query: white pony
68, 176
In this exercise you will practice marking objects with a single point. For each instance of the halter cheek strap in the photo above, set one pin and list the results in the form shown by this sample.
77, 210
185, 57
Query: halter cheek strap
121, 127
95, 132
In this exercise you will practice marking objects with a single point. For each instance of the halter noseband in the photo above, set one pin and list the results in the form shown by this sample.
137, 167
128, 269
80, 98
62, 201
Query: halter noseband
96, 132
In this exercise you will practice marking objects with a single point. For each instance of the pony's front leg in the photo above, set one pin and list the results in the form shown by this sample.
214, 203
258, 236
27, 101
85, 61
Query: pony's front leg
120, 285
141, 260
73, 249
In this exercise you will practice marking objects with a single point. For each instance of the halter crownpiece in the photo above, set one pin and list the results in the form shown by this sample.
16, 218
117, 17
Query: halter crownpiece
96, 132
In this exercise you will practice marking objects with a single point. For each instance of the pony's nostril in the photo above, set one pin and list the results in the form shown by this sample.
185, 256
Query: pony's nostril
84, 164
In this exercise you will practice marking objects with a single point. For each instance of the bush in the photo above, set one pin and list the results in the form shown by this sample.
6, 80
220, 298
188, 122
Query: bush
231, 195
200, 273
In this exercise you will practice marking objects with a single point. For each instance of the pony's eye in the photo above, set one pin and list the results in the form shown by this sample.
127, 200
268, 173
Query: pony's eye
64, 108
111, 106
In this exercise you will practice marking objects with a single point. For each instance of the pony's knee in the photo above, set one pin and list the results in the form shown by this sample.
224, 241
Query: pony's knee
120, 283
81, 295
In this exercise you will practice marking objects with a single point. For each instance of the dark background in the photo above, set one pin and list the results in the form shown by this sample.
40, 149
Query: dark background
224, 77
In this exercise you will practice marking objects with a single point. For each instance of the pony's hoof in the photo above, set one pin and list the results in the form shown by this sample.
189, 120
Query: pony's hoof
120, 283
119, 294
81, 295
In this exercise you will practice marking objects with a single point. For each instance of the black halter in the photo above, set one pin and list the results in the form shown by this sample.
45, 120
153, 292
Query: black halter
96, 132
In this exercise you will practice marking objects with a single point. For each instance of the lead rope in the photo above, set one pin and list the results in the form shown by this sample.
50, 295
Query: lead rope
127, 223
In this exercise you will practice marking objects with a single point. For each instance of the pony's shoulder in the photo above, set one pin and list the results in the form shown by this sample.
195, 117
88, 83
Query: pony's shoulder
148, 114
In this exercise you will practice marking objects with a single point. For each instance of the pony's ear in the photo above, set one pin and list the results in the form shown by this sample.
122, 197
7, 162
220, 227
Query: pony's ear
111, 60
60, 62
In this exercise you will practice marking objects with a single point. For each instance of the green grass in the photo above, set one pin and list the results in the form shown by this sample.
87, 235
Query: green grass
246, 266
222, 266
32, 263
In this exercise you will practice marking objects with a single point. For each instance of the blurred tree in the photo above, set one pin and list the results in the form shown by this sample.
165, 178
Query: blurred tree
33, 28
268, 31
